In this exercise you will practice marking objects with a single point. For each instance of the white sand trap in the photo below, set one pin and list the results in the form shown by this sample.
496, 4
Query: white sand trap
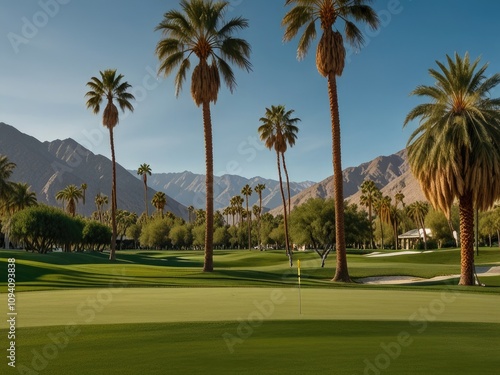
378, 254
480, 270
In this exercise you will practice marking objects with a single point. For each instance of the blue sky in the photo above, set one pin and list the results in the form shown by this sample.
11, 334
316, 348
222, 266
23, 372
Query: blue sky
49, 49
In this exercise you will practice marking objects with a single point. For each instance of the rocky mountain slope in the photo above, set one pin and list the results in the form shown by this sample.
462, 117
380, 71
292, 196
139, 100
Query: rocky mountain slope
189, 188
49, 167
390, 173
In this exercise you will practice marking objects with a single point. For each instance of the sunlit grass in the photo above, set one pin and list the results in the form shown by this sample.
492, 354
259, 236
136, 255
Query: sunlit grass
232, 268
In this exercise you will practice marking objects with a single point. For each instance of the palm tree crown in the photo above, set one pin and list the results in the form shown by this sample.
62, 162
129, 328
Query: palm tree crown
6, 169
455, 150
330, 54
278, 129
111, 88
70, 194
200, 31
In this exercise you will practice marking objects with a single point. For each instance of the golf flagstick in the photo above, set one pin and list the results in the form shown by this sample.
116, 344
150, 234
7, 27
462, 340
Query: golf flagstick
300, 301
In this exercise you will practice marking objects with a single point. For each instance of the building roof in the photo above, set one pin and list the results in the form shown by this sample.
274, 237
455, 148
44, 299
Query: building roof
415, 233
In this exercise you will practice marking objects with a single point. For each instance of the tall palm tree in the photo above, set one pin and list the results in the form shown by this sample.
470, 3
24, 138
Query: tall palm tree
455, 150
190, 213
70, 194
259, 188
111, 88
369, 195
330, 60
418, 210
159, 201
6, 169
278, 130
199, 31
247, 191
144, 170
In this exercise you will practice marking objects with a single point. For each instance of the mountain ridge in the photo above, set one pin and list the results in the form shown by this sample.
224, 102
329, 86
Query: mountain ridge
49, 167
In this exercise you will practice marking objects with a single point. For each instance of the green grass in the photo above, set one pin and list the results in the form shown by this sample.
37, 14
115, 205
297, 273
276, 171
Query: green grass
156, 312
273, 347
232, 268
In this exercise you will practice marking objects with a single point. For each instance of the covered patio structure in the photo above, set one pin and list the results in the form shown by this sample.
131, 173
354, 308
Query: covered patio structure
409, 239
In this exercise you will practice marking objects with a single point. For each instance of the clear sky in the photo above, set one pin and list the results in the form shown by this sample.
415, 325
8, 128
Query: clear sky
49, 49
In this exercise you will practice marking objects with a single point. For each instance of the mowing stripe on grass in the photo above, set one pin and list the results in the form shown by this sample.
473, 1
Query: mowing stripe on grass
156, 305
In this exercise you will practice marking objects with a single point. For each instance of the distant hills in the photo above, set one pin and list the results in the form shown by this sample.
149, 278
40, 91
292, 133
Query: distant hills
49, 167
390, 173
189, 188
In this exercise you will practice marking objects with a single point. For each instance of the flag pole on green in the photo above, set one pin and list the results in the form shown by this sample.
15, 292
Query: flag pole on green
298, 274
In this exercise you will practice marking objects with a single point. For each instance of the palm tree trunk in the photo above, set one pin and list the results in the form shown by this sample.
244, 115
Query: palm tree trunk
422, 223
341, 272
285, 216
260, 219
208, 265
249, 219
145, 178
466, 208
382, 232
112, 255
371, 224
287, 183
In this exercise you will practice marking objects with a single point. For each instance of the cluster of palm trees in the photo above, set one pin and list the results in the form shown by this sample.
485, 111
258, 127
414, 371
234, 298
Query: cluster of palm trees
236, 208
455, 151
390, 214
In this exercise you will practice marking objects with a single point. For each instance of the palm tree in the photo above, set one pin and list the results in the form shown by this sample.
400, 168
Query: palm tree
111, 88
143, 170
70, 194
455, 150
100, 201
418, 211
6, 169
247, 191
259, 189
84, 189
200, 31
382, 206
369, 194
21, 197
278, 130
190, 213
237, 203
159, 201
330, 59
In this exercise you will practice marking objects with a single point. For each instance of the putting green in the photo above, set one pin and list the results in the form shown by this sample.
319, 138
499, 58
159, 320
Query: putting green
116, 305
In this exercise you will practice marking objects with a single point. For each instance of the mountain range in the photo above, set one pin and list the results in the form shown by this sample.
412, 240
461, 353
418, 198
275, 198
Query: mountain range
391, 175
49, 167
189, 188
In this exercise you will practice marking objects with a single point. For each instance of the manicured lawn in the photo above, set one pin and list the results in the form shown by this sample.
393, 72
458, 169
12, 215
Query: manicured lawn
232, 268
270, 347
156, 312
